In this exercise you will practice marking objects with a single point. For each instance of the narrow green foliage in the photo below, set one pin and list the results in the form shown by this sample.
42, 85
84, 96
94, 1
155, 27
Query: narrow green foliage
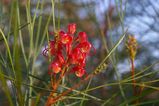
5, 87
8, 51
103, 64
39, 24
53, 14
18, 82
37, 100
82, 101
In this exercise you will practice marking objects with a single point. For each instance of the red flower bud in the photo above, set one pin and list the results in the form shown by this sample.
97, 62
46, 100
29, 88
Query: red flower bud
71, 28
55, 66
82, 37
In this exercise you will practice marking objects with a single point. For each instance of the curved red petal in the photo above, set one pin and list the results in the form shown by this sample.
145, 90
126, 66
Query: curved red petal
66, 39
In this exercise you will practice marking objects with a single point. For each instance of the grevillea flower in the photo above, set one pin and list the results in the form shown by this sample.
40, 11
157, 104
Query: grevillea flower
68, 50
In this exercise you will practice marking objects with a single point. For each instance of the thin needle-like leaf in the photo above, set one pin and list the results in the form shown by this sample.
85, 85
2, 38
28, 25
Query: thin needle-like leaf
5, 87
8, 50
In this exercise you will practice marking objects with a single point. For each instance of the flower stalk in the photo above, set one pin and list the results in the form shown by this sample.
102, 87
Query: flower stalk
132, 50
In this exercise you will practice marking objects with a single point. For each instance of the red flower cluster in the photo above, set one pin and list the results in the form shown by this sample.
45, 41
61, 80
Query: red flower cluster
67, 50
